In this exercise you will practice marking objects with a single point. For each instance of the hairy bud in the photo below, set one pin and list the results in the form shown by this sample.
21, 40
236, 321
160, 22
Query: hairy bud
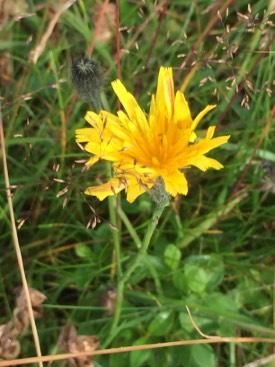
158, 193
87, 79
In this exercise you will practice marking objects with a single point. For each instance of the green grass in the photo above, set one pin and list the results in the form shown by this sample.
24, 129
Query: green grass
214, 253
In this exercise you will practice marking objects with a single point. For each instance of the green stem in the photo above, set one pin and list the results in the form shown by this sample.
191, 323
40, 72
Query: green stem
125, 277
63, 130
130, 228
232, 354
113, 208
115, 233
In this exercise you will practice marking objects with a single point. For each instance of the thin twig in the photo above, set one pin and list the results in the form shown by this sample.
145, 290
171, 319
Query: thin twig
58, 357
197, 327
16, 242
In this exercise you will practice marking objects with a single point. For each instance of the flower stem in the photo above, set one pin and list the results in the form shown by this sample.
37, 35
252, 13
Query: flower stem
122, 282
115, 233
130, 228
114, 204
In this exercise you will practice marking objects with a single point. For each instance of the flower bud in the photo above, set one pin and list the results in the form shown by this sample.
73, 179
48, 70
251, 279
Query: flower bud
87, 78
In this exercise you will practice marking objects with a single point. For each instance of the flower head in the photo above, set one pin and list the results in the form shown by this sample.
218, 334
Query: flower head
144, 147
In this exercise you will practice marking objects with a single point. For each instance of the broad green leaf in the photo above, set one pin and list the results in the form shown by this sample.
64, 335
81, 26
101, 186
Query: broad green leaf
179, 280
196, 278
202, 356
172, 256
161, 324
203, 272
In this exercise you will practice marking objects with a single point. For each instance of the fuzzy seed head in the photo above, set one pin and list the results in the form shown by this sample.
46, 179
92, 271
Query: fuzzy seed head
87, 78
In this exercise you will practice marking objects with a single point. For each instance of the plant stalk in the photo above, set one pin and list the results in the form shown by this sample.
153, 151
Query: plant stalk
122, 282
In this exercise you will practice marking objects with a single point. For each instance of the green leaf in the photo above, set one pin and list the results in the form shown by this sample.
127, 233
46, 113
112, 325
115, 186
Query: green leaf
185, 322
203, 272
196, 277
119, 359
81, 277
139, 357
223, 303
172, 256
179, 280
83, 251
200, 274
202, 356
161, 324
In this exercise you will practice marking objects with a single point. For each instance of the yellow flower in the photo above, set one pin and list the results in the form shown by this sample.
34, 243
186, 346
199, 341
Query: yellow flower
145, 147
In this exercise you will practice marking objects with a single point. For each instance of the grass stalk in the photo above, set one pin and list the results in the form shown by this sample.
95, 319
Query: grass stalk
16, 242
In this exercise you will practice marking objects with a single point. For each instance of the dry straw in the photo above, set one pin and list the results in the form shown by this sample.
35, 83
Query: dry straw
16, 243
58, 357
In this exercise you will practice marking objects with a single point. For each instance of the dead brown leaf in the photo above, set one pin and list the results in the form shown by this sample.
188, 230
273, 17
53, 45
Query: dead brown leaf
109, 301
70, 342
19, 323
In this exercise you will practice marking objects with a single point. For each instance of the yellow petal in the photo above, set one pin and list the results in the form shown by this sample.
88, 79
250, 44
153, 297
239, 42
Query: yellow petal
210, 132
205, 145
201, 115
92, 161
138, 183
204, 163
152, 113
182, 116
86, 134
93, 118
129, 103
165, 92
175, 183
193, 137
112, 187
134, 189
127, 99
